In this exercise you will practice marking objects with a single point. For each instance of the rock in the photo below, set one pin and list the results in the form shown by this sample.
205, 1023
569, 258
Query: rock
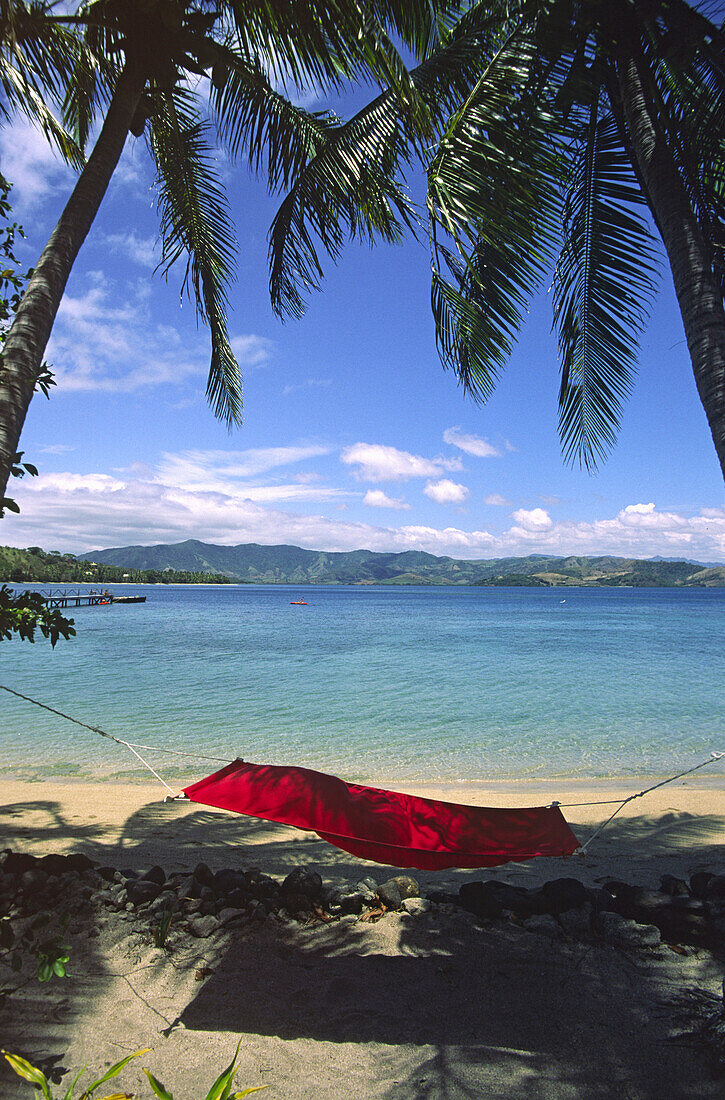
128, 873
190, 888
675, 887
716, 887
80, 863
543, 924
481, 899
228, 880
699, 883
371, 884
230, 914
298, 904
302, 881
626, 933
562, 894
143, 891
15, 863
352, 901
53, 864
204, 875
577, 922
33, 880
389, 894
416, 906
407, 885
203, 927
107, 873
238, 898
155, 874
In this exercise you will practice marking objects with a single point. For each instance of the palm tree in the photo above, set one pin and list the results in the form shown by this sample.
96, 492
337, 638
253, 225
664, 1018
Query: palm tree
573, 118
132, 61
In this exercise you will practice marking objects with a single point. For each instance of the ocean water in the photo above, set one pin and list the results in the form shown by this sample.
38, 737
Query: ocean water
378, 684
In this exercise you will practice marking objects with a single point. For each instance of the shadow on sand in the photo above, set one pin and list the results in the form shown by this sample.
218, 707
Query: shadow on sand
436, 1006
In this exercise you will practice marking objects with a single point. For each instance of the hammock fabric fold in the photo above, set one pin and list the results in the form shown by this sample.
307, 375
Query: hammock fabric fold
386, 826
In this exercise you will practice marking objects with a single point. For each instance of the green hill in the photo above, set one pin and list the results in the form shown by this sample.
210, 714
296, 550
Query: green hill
255, 563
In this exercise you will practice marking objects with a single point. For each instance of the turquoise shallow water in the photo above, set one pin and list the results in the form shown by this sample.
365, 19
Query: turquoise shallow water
418, 685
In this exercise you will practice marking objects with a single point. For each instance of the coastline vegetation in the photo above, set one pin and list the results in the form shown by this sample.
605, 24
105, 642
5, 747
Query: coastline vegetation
194, 562
37, 566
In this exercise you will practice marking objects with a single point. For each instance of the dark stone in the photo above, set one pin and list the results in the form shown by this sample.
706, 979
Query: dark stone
441, 897
107, 873
675, 887
298, 904
479, 898
562, 894
204, 875
263, 887
190, 888
716, 887
207, 894
15, 863
143, 891
302, 881
237, 899
407, 885
353, 901
229, 880
80, 862
33, 880
679, 919
128, 873
388, 892
54, 864
699, 883
155, 874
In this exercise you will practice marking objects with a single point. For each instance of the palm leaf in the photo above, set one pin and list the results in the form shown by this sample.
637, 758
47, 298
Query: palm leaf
494, 190
603, 285
348, 187
195, 226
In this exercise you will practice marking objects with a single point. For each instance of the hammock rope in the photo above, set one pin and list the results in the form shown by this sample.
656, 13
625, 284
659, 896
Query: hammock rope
133, 746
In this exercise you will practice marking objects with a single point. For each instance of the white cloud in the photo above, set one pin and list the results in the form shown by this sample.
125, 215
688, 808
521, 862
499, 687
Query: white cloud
87, 511
496, 500
471, 444
252, 350
308, 384
56, 449
31, 165
205, 469
446, 491
138, 249
376, 498
107, 341
534, 520
377, 462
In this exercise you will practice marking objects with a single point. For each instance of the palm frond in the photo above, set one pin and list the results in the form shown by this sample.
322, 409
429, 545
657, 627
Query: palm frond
278, 137
349, 186
36, 60
196, 227
603, 285
493, 190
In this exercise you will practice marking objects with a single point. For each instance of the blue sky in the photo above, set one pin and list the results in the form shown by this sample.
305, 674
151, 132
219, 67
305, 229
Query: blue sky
354, 436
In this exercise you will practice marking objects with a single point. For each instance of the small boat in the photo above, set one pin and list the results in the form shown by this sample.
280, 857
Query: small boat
298, 603
127, 599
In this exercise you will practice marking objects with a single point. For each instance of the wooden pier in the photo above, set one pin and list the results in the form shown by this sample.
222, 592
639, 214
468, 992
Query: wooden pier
67, 599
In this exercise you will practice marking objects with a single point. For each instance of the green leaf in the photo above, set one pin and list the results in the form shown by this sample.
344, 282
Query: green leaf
222, 1086
29, 1073
113, 1071
157, 1087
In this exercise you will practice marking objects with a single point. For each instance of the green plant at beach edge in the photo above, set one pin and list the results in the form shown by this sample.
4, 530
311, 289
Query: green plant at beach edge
220, 1090
40, 1082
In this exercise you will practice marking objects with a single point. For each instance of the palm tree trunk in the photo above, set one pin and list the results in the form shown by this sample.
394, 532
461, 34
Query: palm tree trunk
698, 293
26, 341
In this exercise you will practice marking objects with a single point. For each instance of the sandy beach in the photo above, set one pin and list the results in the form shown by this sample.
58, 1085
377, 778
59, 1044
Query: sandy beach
441, 1004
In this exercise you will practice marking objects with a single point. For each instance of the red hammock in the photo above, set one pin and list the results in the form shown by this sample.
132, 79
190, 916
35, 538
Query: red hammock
386, 826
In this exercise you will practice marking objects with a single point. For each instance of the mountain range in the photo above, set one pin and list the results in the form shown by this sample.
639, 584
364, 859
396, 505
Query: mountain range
254, 563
